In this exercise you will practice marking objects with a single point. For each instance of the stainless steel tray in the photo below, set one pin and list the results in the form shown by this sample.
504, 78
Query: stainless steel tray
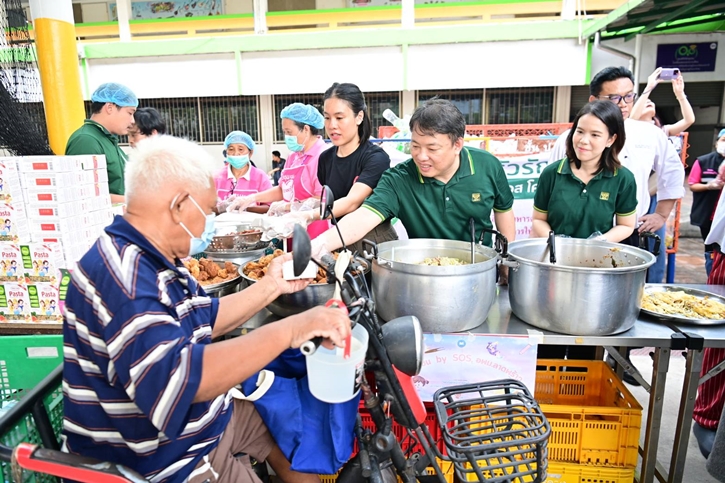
234, 253
652, 288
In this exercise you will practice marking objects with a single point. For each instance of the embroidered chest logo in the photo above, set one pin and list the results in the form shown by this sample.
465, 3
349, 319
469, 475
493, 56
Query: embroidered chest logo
475, 197
604, 196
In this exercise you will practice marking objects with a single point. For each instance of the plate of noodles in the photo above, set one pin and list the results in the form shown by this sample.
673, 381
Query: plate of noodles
682, 304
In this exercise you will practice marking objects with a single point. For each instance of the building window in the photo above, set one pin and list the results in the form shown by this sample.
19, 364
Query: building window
222, 115
520, 105
469, 102
377, 103
282, 101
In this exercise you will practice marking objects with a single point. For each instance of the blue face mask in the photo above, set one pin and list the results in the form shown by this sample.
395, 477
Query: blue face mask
199, 244
238, 162
292, 144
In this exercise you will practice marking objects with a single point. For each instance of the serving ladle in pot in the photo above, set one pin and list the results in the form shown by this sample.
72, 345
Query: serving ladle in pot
472, 225
551, 248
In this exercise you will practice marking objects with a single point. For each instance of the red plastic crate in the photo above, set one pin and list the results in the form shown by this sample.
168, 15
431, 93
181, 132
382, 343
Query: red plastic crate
400, 432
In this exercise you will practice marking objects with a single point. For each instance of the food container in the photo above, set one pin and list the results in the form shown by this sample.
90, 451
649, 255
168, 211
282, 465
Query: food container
235, 242
444, 298
594, 288
313, 295
227, 287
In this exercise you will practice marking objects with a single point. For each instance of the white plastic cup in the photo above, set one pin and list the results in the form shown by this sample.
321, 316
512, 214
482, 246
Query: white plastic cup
331, 377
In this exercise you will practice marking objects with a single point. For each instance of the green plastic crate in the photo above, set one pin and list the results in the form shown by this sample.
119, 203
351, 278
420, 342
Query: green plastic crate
24, 362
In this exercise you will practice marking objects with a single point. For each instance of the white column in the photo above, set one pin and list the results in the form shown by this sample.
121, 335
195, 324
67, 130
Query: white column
562, 103
407, 19
123, 9
266, 122
407, 104
722, 109
260, 16
568, 9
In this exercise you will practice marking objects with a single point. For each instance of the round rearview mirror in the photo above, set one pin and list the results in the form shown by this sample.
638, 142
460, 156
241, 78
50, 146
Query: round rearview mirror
403, 339
301, 250
327, 200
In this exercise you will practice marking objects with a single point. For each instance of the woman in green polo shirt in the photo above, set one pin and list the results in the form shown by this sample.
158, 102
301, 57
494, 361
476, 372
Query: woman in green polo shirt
589, 192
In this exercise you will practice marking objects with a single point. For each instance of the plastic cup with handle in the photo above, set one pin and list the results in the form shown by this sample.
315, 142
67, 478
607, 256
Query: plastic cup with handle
333, 378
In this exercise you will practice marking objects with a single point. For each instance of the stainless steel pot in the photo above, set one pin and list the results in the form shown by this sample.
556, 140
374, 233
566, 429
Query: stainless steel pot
295, 303
445, 299
594, 288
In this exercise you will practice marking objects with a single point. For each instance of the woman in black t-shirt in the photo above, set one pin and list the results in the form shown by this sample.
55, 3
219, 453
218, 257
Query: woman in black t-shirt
353, 166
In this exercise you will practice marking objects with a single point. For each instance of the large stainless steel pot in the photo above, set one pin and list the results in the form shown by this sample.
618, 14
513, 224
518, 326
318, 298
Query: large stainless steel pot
295, 303
445, 299
594, 288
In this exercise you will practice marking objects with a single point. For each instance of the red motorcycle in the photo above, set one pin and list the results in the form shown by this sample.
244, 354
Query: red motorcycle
492, 432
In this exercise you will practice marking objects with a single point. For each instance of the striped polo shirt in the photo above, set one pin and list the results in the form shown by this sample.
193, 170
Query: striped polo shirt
134, 335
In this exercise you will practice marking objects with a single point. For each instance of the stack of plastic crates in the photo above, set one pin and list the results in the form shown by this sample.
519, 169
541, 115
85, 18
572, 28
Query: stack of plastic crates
24, 362
494, 432
595, 422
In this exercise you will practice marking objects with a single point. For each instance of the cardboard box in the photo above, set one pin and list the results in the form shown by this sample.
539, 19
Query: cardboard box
61, 163
44, 302
11, 263
42, 262
13, 223
32, 179
10, 187
69, 226
14, 303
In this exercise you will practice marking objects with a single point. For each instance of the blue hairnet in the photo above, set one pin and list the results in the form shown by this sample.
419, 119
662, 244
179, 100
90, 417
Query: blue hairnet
722, 133
115, 93
303, 113
239, 137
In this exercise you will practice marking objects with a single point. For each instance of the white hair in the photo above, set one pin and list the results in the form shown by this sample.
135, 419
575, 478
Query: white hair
160, 161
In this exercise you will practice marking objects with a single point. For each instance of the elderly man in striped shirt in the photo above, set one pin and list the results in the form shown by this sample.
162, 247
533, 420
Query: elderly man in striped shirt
143, 384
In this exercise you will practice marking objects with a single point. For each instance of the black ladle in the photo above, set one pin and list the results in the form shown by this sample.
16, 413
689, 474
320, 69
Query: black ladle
472, 225
552, 247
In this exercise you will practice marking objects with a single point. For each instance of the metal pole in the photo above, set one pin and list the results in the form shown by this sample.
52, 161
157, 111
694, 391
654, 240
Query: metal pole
407, 19
684, 416
55, 40
654, 414
260, 16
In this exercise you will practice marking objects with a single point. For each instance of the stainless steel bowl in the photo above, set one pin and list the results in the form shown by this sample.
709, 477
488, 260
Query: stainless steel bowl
235, 241
227, 287
295, 303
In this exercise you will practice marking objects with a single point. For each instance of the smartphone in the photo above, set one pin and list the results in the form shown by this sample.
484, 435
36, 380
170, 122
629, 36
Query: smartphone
669, 74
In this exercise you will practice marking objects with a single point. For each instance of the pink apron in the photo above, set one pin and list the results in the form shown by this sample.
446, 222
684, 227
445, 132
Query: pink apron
223, 194
292, 189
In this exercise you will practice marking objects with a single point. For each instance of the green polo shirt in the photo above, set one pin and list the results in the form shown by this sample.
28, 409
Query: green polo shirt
431, 209
577, 209
92, 138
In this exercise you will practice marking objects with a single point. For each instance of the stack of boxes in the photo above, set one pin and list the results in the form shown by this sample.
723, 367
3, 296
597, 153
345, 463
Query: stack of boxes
52, 209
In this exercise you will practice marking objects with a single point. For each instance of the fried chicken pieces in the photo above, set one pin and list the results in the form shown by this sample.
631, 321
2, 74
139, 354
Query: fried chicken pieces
210, 273
258, 269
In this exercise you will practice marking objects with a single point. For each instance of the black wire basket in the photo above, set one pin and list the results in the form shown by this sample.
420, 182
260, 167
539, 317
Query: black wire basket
494, 432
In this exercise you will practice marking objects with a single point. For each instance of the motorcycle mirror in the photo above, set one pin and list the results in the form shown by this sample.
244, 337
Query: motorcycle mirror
301, 250
403, 339
327, 200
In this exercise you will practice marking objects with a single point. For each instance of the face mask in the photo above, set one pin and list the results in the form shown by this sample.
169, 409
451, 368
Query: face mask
720, 146
238, 162
292, 144
199, 244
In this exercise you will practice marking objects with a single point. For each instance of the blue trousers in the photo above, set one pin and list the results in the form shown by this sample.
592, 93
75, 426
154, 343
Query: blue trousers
656, 273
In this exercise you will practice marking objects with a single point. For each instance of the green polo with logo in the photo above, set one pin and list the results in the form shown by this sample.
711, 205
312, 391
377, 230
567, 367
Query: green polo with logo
92, 138
577, 209
429, 208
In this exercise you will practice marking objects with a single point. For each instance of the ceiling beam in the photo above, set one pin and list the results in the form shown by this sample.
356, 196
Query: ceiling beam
685, 9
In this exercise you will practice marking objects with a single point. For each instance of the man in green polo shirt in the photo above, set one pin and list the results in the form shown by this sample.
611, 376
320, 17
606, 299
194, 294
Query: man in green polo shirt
112, 111
436, 192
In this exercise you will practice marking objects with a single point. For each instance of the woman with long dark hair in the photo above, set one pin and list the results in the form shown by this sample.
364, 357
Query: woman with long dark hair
353, 166
588, 192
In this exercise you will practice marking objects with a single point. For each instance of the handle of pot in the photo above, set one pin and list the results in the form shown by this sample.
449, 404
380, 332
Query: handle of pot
644, 245
374, 249
552, 247
501, 244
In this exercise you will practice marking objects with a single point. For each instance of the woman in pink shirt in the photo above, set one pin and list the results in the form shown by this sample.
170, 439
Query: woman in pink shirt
301, 124
238, 178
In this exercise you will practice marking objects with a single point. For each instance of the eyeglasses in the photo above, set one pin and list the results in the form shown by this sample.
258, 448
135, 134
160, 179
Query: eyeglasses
628, 98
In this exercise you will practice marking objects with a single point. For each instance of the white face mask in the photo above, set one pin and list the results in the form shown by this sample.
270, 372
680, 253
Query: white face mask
720, 146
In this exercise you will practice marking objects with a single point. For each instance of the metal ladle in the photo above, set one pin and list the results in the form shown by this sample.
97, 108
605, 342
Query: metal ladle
551, 248
472, 225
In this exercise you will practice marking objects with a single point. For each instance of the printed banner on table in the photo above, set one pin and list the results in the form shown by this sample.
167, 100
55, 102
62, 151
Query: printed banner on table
177, 8
455, 359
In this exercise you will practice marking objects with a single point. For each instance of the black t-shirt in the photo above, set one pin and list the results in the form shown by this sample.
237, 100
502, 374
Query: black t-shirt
704, 202
364, 165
